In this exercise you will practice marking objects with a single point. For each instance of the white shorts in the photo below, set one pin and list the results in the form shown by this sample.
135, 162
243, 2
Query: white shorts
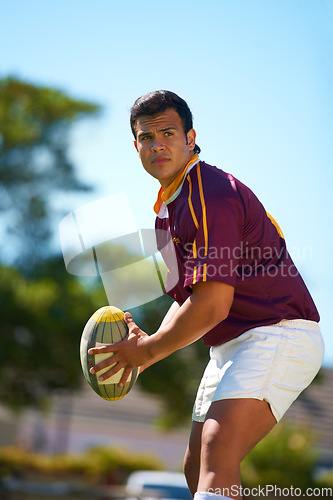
272, 363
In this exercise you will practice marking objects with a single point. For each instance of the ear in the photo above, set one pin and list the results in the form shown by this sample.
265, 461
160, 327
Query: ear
191, 135
136, 146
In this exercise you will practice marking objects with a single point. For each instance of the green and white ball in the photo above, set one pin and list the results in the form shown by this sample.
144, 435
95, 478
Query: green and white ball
106, 326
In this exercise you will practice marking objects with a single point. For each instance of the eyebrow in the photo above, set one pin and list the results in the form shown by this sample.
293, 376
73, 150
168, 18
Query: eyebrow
168, 128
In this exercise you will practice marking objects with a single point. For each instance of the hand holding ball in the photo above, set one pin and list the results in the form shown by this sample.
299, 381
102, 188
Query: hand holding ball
105, 327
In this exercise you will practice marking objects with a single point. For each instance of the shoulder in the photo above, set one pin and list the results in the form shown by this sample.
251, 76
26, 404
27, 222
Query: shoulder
209, 171
217, 186
214, 179
217, 182
209, 194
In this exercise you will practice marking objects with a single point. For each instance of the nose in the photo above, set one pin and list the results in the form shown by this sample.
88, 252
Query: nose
157, 145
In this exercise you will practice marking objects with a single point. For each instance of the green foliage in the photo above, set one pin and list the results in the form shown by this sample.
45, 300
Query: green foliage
43, 309
284, 458
175, 378
34, 133
94, 464
28, 112
42, 319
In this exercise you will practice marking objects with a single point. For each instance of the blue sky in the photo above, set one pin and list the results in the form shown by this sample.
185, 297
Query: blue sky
257, 75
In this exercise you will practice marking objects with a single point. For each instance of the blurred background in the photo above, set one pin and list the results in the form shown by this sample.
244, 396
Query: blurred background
257, 76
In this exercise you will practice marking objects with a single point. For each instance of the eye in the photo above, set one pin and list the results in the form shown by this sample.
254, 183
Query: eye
168, 134
144, 137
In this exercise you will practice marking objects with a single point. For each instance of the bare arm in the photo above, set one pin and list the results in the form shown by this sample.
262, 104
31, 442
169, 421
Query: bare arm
170, 314
208, 305
167, 318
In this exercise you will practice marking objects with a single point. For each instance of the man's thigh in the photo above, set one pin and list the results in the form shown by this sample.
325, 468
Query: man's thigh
217, 446
234, 427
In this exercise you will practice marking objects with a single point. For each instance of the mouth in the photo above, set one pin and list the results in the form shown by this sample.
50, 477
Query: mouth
159, 160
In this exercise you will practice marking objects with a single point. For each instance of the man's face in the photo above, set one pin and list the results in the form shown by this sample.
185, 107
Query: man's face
162, 145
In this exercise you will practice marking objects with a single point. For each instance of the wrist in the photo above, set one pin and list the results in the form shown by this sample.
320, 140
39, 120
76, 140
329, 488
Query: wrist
154, 347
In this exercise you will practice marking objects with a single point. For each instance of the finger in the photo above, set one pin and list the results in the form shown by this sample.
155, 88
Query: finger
128, 318
102, 349
125, 375
113, 370
132, 326
104, 363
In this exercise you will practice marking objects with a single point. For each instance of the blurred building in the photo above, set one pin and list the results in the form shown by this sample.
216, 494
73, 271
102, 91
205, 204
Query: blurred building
82, 420
314, 408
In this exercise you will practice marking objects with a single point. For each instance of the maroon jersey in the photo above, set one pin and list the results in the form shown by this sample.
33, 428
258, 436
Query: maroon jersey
221, 232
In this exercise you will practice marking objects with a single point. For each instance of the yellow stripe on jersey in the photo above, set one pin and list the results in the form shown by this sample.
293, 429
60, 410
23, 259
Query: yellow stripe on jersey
203, 205
190, 202
195, 249
273, 221
195, 220
204, 274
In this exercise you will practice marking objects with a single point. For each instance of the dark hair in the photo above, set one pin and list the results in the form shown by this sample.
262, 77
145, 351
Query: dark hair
159, 101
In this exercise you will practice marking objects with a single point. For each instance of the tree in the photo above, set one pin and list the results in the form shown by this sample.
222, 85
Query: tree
34, 134
42, 308
42, 319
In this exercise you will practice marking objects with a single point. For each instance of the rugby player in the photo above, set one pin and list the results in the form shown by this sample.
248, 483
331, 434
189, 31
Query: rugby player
237, 288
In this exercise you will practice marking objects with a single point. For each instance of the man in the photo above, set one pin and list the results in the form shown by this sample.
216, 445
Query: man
238, 289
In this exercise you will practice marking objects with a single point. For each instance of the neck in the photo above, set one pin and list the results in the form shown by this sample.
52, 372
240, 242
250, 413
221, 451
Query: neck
166, 183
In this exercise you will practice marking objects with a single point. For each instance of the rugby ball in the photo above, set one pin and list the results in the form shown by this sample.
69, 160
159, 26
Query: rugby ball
106, 326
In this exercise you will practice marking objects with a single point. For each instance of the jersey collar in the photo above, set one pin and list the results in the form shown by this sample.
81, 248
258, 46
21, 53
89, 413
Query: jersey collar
166, 196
